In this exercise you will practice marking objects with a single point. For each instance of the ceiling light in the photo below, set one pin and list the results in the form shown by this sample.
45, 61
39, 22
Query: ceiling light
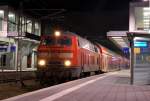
1, 12
146, 13
146, 8
116, 37
10, 15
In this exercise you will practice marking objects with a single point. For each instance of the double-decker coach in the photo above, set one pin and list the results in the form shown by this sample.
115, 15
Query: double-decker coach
109, 61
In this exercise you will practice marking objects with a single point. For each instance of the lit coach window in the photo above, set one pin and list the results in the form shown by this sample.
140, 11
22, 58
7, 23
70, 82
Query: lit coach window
57, 33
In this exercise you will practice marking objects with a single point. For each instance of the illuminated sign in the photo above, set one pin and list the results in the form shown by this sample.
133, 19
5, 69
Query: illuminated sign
125, 50
137, 50
140, 44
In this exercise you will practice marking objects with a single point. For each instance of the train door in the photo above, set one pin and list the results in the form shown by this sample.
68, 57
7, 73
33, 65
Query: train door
104, 62
82, 59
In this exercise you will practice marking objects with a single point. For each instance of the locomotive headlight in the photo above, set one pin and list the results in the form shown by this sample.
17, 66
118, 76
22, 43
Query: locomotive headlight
57, 33
67, 63
42, 62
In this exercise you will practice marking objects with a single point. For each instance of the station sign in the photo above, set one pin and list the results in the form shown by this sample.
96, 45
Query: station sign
6, 48
137, 50
140, 44
3, 48
125, 50
12, 48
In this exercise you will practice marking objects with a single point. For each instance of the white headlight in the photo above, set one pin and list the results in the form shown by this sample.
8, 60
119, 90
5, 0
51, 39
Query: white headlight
42, 62
67, 63
57, 33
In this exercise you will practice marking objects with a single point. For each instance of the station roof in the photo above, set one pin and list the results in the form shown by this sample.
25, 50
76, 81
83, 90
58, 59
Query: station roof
119, 38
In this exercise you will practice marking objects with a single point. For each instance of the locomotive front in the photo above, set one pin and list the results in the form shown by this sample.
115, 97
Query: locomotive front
56, 54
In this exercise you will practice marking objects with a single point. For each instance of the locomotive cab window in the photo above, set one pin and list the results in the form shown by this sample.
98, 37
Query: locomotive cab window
64, 41
48, 41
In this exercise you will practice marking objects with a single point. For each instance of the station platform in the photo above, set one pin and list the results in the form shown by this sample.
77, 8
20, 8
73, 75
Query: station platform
112, 86
13, 75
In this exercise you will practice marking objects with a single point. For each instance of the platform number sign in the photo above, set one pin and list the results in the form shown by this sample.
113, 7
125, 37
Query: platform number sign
125, 50
140, 44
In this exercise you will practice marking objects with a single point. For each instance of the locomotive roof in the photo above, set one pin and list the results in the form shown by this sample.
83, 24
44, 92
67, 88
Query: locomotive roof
69, 34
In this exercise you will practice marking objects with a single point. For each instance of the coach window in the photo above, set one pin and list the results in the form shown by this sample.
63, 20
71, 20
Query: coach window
1, 19
11, 22
48, 41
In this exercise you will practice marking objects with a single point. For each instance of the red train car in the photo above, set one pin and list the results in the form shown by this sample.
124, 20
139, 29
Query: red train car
110, 61
66, 54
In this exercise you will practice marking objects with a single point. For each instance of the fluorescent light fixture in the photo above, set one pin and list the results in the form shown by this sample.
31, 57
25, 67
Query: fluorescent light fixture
146, 13
116, 37
11, 15
138, 38
146, 8
146, 20
119, 40
1, 11
146, 23
146, 26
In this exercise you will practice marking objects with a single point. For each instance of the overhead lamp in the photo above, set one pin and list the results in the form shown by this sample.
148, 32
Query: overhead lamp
57, 33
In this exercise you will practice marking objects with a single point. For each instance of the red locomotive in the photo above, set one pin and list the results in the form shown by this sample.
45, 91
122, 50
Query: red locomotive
69, 55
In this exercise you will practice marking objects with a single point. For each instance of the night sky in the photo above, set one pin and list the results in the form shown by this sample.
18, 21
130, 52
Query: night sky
94, 17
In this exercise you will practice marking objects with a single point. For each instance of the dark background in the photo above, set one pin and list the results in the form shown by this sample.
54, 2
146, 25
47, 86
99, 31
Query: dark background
89, 18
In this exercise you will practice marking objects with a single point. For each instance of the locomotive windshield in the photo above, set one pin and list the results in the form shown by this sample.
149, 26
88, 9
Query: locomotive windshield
64, 41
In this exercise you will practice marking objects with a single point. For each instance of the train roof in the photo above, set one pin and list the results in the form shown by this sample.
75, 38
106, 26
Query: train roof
106, 50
